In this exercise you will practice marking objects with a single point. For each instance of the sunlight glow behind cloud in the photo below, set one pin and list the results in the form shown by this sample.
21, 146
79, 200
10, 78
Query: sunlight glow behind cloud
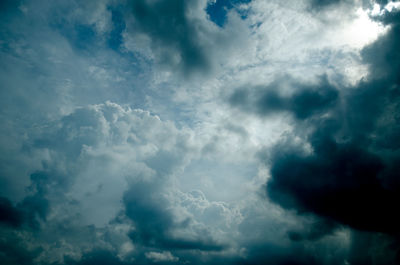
363, 30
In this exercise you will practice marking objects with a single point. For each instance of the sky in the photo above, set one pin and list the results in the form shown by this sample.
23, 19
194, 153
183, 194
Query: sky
225, 132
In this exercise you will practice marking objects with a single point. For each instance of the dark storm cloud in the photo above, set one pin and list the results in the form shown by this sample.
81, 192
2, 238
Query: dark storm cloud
16, 221
339, 181
352, 174
172, 31
30, 211
9, 214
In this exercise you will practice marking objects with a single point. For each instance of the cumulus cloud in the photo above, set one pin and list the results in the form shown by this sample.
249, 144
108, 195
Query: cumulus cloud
86, 167
113, 168
109, 156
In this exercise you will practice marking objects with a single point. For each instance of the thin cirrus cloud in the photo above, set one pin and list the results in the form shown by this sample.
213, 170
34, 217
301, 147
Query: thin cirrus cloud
201, 132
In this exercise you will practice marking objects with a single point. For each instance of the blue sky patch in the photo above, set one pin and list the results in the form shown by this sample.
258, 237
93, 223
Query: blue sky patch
218, 10
115, 38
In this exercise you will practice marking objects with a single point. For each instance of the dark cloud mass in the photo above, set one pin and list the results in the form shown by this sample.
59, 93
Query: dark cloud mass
306, 101
175, 37
351, 175
9, 214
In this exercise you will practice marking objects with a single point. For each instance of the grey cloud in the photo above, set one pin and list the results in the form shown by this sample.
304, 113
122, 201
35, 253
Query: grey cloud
29, 212
179, 36
350, 176
172, 31
323, 3
315, 231
9, 214
304, 102
97, 257
285, 255
345, 171
373, 248
147, 207
13, 250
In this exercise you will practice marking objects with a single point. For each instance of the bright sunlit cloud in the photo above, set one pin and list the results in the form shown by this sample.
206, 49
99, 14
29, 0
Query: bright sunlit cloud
363, 30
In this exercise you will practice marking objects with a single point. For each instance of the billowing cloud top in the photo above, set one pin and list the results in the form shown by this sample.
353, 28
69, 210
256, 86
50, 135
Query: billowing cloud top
199, 132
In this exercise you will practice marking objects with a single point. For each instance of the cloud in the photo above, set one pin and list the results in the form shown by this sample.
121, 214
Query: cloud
165, 256
13, 249
94, 151
179, 36
108, 156
9, 214
346, 171
157, 224
346, 175
341, 183
97, 256
173, 33
304, 102
108, 179
339, 163
323, 3
29, 211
